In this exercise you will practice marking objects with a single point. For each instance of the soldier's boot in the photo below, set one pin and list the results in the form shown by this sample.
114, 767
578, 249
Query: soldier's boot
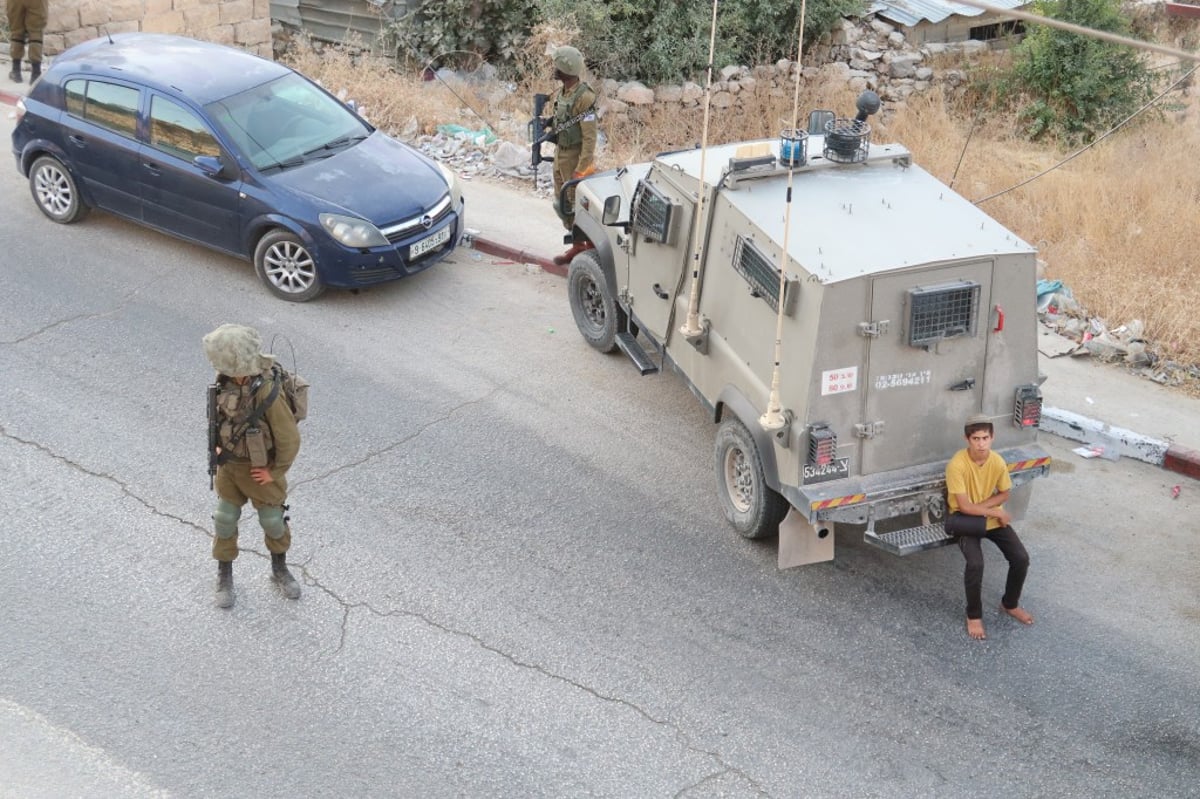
35, 70
282, 577
225, 584
570, 254
15, 75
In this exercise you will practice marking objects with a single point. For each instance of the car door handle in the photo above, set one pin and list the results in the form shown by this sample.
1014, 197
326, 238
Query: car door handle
77, 140
660, 293
151, 168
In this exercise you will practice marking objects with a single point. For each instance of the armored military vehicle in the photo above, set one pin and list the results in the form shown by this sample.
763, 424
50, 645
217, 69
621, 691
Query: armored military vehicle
839, 312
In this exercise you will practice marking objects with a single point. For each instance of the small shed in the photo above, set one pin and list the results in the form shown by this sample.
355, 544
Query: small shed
340, 20
943, 21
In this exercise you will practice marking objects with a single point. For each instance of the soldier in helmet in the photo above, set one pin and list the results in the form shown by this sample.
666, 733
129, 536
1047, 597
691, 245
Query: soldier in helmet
259, 440
574, 125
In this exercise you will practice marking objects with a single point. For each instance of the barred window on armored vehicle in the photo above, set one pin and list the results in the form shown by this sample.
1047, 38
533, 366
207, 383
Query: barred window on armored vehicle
943, 311
758, 271
652, 213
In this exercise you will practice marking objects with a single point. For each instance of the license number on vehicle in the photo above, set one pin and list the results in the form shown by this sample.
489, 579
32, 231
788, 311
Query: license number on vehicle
430, 243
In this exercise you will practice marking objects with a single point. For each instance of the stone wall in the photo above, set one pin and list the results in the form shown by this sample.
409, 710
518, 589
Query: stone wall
241, 23
864, 54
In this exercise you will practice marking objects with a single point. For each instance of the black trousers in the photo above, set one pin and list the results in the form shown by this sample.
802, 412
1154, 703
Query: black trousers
1014, 552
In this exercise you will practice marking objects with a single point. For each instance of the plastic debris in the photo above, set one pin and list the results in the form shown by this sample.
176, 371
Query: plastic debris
1175, 492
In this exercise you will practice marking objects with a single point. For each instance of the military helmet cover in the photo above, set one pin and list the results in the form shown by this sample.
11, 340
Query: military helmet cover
568, 60
236, 351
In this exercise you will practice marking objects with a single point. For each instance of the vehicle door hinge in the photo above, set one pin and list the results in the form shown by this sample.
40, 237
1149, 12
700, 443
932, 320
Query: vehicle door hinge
868, 429
873, 329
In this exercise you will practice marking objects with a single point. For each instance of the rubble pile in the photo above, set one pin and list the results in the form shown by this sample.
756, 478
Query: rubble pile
1092, 337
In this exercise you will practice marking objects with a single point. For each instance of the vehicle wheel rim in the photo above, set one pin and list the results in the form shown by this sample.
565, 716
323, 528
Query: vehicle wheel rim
53, 190
591, 301
289, 267
739, 480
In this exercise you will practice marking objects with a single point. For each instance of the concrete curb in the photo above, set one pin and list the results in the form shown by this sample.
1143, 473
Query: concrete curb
8, 98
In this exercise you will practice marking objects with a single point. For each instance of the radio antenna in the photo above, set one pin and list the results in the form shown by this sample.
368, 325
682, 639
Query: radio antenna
774, 418
691, 326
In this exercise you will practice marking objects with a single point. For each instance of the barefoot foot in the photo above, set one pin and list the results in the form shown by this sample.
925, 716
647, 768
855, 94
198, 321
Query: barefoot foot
1018, 613
975, 629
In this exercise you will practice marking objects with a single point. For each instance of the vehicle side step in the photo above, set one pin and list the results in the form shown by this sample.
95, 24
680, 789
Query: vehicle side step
628, 344
910, 540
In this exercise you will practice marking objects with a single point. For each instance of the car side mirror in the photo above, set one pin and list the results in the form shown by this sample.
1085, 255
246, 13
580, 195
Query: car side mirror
210, 165
612, 210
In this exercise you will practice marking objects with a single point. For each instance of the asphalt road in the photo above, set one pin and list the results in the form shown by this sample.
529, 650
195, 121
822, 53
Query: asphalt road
517, 579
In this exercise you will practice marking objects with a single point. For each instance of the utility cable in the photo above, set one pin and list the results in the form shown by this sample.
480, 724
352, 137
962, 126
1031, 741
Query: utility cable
1094, 142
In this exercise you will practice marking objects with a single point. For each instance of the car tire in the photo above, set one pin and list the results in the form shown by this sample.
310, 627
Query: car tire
286, 267
55, 191
592, 304
751, 506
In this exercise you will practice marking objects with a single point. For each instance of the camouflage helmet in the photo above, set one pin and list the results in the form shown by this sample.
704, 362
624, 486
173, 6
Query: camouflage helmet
236, 351
568, 61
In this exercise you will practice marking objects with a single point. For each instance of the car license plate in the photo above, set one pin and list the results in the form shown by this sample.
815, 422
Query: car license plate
431, 243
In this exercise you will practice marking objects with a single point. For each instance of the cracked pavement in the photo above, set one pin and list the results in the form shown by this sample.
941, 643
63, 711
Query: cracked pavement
517, 579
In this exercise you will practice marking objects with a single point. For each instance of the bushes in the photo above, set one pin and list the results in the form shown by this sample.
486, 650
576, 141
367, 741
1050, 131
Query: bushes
649, 40
1078, 86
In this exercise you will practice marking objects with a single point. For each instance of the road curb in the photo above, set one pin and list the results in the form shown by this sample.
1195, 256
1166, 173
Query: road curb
8, 98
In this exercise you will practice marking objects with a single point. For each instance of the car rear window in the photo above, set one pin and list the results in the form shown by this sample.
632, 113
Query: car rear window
108, 105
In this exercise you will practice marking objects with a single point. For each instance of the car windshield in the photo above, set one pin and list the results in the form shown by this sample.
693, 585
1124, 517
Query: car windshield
287, 122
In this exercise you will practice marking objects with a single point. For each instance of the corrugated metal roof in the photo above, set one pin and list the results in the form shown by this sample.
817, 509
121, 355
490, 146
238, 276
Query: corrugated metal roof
909, 12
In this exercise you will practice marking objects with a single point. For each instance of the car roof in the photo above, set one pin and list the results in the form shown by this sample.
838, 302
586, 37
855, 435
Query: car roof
202, 71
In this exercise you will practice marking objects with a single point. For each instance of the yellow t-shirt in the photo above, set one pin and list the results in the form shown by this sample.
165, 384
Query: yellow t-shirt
977, 482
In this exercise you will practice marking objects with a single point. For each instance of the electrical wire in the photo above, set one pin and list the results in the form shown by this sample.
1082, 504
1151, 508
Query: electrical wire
1094, 142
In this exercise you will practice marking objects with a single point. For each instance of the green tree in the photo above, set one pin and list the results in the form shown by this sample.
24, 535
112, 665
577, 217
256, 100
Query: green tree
666, 40
1080, 86
464, 31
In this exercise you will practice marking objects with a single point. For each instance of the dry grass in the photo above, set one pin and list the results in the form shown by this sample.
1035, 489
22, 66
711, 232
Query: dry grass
1118, 225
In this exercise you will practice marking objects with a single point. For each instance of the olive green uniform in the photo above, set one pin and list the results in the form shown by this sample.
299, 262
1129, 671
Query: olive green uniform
234, 484
26, 26
575, 150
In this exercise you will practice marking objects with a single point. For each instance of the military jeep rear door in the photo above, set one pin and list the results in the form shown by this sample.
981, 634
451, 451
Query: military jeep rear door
928, 338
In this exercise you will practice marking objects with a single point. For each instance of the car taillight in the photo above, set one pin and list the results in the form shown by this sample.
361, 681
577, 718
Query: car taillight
20, 110
1027, 409
822, 445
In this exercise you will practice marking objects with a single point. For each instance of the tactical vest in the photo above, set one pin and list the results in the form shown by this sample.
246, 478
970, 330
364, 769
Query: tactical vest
235, 404
569, 137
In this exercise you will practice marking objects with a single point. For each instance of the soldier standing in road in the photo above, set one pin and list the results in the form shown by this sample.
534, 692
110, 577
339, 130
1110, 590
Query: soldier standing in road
977, 485
258, 440
574, 126
26, 26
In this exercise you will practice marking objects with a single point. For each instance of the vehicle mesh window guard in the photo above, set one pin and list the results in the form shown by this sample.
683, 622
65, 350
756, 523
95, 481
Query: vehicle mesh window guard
651, 213
943, 311
758, 271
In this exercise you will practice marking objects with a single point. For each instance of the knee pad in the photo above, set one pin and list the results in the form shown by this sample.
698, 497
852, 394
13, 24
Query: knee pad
272, 521
225, 519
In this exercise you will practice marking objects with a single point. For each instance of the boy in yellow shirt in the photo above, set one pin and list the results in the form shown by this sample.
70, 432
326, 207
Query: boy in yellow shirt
977, 484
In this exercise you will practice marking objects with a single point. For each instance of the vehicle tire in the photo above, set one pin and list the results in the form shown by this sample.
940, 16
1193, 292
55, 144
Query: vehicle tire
55, 191
751, 506
286, 267
592, 304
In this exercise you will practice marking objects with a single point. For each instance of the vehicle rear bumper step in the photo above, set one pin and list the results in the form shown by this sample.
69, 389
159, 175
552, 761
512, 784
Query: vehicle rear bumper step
628, 344
910, 540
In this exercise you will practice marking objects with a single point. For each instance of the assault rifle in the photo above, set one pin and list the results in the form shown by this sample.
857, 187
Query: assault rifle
538, 131
214, 435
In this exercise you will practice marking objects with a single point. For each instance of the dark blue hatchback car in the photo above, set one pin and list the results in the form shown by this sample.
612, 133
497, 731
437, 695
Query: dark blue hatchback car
229, 150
